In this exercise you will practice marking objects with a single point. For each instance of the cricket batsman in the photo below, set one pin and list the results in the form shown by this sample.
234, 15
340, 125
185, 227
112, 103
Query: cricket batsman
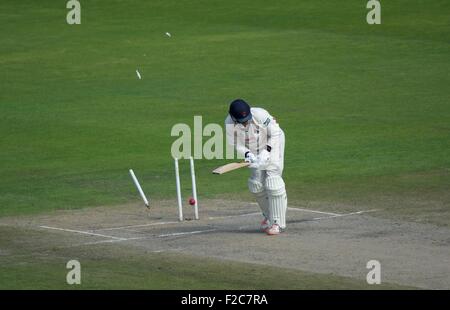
257, 136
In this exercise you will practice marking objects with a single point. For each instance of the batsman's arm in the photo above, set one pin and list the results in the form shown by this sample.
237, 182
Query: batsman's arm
233, 139
273, 132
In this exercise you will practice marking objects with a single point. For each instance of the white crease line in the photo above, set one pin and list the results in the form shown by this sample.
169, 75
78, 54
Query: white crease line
82, 232
186, 233
314, 211
167, 250
104, 241
148, 237
135, 226
115, 240
342, 215
305, 210
230, 216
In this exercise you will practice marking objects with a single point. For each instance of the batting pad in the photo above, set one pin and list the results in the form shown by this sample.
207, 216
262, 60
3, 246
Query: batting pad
277, 200
257, 189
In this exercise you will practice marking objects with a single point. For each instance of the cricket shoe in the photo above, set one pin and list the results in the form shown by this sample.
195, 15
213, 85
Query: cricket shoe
274, 230
265, 225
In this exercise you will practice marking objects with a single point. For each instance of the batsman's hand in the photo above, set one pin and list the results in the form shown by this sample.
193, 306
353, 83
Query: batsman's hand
250, 157
261, 161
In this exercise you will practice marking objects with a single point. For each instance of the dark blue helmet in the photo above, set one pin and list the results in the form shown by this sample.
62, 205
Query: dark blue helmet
240, 111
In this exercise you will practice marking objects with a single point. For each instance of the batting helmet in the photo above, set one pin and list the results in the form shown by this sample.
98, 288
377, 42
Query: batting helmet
240, 111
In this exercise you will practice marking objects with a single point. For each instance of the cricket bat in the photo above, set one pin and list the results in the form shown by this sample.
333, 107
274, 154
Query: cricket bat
229, 167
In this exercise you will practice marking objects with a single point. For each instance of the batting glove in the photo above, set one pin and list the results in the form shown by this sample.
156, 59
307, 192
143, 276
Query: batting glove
250, 157
262, 161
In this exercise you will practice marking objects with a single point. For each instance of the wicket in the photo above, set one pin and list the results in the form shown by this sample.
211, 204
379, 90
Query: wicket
194, 189
139, 188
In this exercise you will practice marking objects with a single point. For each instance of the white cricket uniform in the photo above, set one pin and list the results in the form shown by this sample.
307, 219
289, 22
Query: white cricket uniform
266, 184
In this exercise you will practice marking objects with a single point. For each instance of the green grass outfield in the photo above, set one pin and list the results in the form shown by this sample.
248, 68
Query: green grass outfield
125, 267
365, 108
169, 272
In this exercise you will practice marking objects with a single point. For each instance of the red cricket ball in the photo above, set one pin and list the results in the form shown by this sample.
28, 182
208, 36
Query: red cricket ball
191, 201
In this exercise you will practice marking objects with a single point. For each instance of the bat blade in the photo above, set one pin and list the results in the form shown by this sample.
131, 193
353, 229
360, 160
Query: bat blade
229, 167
